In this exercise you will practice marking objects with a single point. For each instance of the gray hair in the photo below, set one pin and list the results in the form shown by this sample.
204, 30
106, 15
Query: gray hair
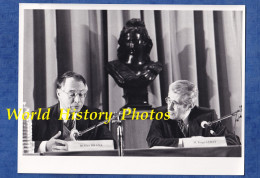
187, 91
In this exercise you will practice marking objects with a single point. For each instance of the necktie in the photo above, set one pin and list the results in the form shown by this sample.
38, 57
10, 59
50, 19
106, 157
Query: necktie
182, 127
70, 123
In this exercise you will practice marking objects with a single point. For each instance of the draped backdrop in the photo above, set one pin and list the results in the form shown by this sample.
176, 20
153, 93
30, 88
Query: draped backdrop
204, 47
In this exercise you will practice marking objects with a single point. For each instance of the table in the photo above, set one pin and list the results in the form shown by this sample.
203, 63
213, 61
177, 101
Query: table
227, 151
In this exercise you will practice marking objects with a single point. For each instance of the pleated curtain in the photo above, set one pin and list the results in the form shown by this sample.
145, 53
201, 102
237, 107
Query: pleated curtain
204, 47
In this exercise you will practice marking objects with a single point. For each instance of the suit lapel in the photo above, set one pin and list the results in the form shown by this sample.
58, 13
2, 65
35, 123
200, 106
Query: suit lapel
56, 124
83, 124
194, 123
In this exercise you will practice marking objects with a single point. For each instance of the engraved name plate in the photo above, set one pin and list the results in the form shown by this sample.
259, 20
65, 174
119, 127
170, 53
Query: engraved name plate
90, 145
204, 142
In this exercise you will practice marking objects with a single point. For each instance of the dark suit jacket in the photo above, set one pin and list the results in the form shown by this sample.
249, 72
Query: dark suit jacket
167, 132
43, 130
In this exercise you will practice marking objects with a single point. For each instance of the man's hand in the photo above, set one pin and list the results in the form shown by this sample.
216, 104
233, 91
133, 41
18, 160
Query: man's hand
55, 144
74, 133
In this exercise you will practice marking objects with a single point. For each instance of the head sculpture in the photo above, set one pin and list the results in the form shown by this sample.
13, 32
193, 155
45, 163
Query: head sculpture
134, 43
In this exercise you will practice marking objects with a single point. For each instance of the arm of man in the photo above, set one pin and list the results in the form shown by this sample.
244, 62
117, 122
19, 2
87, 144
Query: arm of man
43, 145
155, 136
36, 136
45, 130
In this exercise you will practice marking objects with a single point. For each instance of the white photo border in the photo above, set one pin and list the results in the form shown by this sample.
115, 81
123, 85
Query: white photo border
127, 165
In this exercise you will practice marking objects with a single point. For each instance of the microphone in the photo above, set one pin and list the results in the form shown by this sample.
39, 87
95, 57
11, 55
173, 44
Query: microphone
205, 124
115, 118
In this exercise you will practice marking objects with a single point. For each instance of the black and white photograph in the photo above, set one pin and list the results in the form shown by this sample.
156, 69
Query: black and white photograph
140, 89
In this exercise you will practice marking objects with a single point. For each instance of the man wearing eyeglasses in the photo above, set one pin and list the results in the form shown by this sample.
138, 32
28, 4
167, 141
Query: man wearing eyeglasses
52, 134
185, 119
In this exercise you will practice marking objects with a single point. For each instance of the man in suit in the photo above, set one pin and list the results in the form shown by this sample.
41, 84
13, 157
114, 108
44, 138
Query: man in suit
185, 119
52, 134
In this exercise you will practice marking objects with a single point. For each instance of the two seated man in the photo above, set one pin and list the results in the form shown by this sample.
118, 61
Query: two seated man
185, 118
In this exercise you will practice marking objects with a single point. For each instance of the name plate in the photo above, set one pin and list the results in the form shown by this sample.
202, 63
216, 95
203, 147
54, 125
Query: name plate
90, 145
204, 142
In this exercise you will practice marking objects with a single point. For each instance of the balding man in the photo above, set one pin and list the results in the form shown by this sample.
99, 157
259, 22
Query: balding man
53, 134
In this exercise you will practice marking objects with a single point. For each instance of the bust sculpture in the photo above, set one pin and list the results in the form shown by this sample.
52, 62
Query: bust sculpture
134, 70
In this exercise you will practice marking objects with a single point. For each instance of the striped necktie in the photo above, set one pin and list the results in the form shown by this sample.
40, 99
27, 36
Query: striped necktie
70, 123
182, 127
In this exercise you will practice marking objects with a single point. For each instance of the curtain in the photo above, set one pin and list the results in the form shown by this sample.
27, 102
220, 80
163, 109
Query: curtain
204, 47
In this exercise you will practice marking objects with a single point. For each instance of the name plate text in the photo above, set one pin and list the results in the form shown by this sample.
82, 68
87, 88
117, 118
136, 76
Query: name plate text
204, 142
90, 145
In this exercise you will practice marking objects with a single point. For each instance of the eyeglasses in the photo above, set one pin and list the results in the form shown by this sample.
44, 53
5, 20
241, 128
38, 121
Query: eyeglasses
169, 101
74, 94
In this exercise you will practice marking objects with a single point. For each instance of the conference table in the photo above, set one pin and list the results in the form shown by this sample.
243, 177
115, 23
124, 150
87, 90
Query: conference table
224, 151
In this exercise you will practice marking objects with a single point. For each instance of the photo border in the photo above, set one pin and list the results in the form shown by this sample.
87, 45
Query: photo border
128, 165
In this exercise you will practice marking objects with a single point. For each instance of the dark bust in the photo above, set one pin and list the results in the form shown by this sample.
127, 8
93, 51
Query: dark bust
134, 70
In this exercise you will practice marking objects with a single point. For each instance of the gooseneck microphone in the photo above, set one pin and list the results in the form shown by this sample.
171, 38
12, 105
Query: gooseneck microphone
74, 134
205, 124
115, 116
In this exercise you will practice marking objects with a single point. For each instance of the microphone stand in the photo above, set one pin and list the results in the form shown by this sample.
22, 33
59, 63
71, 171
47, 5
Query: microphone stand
115, 119
119, 129
227, 116
80, 133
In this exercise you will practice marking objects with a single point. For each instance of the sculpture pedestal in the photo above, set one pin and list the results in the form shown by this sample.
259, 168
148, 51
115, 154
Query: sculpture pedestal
136, 97
135, 130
